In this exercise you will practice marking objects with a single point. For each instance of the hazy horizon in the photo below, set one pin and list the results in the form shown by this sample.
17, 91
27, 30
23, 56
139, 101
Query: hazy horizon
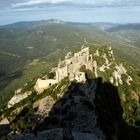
112, 11
70, 21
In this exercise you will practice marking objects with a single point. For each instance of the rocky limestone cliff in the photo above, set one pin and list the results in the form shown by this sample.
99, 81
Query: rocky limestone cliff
105, 63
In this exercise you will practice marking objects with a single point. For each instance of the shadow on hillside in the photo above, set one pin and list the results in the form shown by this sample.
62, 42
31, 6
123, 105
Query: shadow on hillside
94, 108
8, 78
109, 112
5, 84
77, 111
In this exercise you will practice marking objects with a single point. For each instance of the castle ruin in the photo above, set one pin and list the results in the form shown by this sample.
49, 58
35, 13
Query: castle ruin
69, 67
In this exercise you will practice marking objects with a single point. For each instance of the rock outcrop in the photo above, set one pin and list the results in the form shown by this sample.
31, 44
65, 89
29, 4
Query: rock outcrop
44, 106
18, 97
107, 64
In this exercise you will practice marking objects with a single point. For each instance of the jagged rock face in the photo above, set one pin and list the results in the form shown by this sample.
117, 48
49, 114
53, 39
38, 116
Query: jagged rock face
73, 117
59, 134
107, 64
75, 112
44, 106
118, 72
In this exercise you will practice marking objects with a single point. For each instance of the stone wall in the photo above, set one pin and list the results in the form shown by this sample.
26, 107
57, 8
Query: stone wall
41, 85
61, 73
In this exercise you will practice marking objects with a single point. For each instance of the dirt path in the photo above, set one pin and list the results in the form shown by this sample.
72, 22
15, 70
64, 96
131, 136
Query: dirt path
10, 54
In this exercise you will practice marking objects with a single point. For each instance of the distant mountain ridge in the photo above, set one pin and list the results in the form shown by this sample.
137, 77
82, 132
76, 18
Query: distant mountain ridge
29, 24
133, 26
103, 25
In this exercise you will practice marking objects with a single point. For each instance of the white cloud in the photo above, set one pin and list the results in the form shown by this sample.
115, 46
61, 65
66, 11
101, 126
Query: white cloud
76, 3
36, 2
92, 2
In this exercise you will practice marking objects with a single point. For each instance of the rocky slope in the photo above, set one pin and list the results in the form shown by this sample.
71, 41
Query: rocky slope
106, 106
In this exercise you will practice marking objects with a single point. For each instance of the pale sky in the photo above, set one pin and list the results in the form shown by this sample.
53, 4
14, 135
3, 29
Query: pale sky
116, 11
